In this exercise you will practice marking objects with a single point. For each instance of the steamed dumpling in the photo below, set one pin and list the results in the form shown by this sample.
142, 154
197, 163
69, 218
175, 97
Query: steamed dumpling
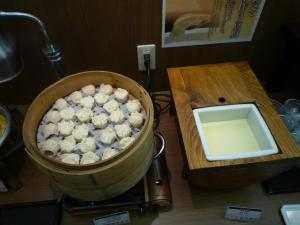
80, 132
108, 153
75, 97
125, 142
87, 102
50, 129
121, 94
136, 119
101, 98
67, 113
89, 90
67, 144
111, 106
89, 157
84, 115
107, 136
70, 158
65, 128
69, 127
100, 121
123, 130
117, 116
87, 144
50, 146
133, 106
52, 117
60, 104
106, 89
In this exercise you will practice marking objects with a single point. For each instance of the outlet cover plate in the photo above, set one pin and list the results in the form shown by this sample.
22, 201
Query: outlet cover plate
146, 49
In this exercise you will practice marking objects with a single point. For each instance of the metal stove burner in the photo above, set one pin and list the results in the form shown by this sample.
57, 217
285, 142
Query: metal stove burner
133, 198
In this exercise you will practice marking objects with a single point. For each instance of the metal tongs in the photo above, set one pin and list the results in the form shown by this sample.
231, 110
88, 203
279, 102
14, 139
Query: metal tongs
157, 159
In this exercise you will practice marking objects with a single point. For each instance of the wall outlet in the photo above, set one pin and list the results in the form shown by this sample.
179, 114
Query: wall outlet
141, 51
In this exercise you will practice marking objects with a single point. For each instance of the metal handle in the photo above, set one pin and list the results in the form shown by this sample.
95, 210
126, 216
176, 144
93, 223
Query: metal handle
30, 17
162, 148
157, 160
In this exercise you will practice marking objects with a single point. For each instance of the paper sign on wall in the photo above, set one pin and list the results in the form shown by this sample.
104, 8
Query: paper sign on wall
198, 22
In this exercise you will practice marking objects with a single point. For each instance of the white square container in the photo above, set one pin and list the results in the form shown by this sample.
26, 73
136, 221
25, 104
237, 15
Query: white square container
233, 132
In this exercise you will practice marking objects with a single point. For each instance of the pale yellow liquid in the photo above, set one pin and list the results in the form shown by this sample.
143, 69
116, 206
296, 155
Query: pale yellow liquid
228, 137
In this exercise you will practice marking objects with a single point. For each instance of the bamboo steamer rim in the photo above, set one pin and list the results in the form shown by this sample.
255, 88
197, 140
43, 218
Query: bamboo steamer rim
38, 155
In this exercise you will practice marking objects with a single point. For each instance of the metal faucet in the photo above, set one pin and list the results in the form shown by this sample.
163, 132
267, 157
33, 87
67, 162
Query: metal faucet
51, 51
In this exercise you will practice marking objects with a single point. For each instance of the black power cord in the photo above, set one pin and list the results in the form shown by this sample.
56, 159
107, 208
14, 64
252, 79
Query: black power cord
147, 61
157, 99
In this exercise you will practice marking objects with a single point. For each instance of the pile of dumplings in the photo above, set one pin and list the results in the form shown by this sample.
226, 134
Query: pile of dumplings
91, 124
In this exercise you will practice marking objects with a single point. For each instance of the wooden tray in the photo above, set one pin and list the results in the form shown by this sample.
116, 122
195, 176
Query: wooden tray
222, 84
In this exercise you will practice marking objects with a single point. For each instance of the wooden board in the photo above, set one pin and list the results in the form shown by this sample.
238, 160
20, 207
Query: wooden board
30, 178
202, 86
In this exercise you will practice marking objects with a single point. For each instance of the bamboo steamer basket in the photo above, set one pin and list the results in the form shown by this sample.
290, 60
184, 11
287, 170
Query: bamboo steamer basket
103, 179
